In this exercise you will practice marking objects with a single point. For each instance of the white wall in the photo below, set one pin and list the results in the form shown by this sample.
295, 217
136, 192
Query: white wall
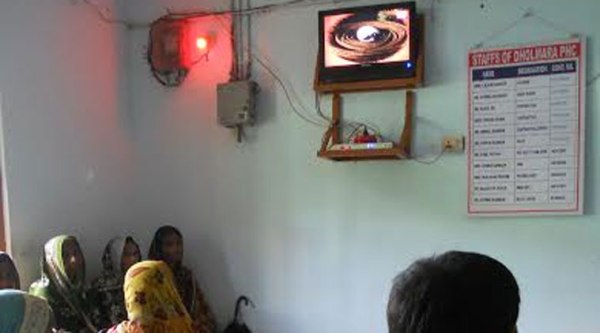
316, 243
67, 130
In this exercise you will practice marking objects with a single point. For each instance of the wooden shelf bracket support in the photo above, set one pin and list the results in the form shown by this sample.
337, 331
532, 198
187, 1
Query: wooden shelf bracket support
401, 149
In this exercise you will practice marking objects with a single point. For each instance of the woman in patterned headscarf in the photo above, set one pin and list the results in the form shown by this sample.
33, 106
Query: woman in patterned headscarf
61, 284
167, 246
106, 293
152, 301
23, 313
9, 277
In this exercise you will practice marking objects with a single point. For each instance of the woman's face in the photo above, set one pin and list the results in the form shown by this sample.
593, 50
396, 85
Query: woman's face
73, 260
131, 255
7, 276
172, 248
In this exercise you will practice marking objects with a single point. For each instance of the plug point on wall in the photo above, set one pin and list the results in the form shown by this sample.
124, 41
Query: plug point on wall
453, 143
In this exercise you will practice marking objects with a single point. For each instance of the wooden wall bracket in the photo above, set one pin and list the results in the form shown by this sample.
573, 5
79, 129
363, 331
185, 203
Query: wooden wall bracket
401, 149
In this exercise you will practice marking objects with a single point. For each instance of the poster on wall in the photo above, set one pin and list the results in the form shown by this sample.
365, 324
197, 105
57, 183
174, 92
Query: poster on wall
526, 129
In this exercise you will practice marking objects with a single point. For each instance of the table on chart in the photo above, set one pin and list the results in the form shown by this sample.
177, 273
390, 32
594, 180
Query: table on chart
525, 130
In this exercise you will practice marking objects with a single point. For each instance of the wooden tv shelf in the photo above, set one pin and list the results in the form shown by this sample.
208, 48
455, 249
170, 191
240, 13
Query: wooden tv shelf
396, 153
400, 151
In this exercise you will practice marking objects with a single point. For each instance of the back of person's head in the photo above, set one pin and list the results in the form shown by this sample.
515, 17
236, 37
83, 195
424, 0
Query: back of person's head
9, 276
456, 292
21, 312
152, 299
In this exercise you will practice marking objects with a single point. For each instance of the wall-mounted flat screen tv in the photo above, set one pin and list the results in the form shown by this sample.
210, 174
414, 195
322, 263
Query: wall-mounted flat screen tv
368, 43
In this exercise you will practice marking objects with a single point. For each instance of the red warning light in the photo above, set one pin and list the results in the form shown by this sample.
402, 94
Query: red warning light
202, 43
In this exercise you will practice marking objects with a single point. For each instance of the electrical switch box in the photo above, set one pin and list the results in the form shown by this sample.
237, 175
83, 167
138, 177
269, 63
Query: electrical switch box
236, 103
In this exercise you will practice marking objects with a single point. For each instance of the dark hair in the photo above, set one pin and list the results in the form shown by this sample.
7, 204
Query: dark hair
156, 248
5, 258
130, 240
456, 292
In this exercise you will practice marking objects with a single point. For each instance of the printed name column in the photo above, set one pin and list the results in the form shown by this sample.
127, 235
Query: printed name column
532, 135
563, 132
493, 133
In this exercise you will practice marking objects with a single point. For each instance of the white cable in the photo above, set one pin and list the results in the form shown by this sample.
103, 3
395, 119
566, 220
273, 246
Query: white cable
286, 92
203, 13
527, 13
290, 93
591, 81
430, 162
101, 12
502, 31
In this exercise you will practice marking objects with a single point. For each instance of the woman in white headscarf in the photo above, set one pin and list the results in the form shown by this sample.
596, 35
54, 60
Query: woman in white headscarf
62, 284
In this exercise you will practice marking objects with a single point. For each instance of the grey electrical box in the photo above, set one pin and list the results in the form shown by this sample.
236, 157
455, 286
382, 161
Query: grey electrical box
236, 103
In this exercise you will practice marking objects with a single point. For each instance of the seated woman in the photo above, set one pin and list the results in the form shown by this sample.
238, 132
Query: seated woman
153, 302
167, 246
106, 294
9, 277
22, 312
61, 284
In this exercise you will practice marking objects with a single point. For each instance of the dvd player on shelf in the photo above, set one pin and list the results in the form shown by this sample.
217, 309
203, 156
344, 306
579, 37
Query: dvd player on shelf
362, 146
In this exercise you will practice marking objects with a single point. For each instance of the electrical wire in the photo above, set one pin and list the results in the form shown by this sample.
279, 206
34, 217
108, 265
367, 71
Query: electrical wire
233, 72
352, 125
591, 81
286, 92
503, 30
168, 79
204, 13
260, 9
351, 134
430, 9
432, 161
527, 13
238, 31
248, 41
552, 24
289, 92
318, 107
104, 17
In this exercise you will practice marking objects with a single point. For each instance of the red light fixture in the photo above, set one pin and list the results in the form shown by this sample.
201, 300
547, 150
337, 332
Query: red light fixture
176, 45
202, 43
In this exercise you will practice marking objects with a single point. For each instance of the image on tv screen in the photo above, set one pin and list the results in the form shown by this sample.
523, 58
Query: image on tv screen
367, 37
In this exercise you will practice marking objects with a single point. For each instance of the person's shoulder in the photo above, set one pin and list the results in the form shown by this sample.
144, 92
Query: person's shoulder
37, 284
186, 270
96, 283
104, 280
122, 327
39, 287
185, 273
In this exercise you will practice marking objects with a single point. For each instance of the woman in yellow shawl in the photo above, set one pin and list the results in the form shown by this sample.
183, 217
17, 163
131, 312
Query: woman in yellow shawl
152, 301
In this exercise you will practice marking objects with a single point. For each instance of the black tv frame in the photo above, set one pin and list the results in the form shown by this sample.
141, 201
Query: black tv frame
373, 71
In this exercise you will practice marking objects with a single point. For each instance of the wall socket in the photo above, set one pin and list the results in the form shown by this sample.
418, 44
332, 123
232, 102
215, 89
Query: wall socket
453, 143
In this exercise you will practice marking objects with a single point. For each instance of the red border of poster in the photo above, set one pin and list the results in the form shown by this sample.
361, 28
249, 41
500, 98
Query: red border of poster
531, 54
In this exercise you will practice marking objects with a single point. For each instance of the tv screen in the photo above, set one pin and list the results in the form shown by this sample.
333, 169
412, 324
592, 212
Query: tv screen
367, 43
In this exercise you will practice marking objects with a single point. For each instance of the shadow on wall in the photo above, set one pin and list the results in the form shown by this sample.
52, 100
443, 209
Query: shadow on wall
266, 105
427, 137
213, 276
125, 104
591, 145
